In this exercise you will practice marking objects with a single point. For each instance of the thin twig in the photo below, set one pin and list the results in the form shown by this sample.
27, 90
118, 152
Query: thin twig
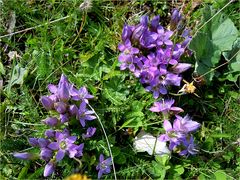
218, 66
105, 134
31, 28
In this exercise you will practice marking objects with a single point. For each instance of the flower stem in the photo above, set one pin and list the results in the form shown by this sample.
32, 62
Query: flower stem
105, 134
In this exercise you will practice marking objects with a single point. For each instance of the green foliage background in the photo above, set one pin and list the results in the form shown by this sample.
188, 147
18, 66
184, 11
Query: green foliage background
83, 46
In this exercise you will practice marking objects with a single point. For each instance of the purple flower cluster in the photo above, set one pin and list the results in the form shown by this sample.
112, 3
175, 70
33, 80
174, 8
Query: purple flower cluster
65, 103
179, 134
149, 52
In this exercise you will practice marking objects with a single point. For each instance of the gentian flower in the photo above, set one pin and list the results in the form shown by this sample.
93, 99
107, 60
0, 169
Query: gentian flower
176, 17
64, 144
33, 142
47, 102
155, 23
185, 124
189, 147
140, 29
180, 68
104, 166
50, 133
165, 106
51, 121
49, 169
90, 132
81, 94
172, 134
84, 114
60, 107
24, 156
163, 37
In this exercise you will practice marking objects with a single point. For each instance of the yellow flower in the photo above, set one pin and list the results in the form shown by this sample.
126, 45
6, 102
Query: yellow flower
188, 88
77, 177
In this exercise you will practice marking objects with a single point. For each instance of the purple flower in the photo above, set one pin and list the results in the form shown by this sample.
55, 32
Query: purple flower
63, 89
189, 147
60, 107
148, 39
173, 79
104, 166
33, 142
165, 106
176, 17
185, 124
155, 23
84, 114
140, 29
73, 110
79, 149
43, 142
127, 55
81, 94
51, 121
90, 132
49, 169
47, 102
46, 154
180, 68
64, 117
171, 134
24, 156
50, 133
127, 32
163, 37
64, 144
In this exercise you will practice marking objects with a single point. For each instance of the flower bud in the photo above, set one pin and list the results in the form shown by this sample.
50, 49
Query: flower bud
73, 110
43, 142
50, 133
51, 121
176, 17
47, 102
64, 118
63, 92
180, 67
60, 107
25, 156
46, 154
49, 169
33, 142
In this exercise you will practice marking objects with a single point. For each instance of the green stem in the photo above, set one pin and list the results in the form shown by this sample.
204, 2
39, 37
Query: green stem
105, 134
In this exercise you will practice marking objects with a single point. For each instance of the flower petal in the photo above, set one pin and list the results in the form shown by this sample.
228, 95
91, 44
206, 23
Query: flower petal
60, 155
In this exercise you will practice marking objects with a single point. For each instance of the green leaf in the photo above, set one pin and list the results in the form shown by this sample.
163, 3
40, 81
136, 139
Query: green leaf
23, 172
220, 175
179, 169
221, 135
217, 36
2, 70
120, 159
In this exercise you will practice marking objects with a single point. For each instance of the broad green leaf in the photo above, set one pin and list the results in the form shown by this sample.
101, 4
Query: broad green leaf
179, 169
220, 175
224, 35
217, 36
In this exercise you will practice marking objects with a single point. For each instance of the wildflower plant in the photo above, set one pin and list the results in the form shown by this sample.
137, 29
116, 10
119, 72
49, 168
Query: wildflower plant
153, 54
66, 104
